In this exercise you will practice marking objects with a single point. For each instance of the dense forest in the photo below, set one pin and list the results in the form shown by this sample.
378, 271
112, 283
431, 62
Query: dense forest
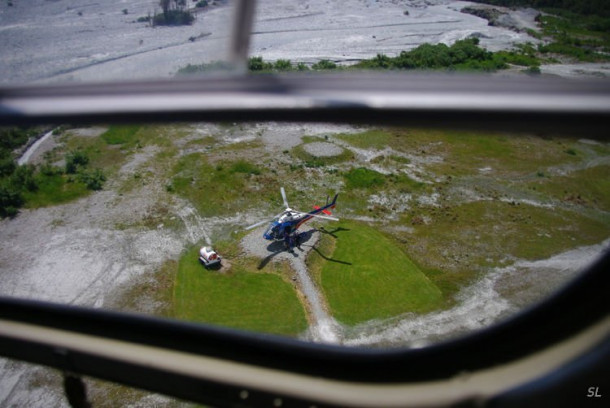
589, 7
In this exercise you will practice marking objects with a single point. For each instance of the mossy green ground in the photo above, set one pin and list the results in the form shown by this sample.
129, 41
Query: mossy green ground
531, 198
240, 298
367, 276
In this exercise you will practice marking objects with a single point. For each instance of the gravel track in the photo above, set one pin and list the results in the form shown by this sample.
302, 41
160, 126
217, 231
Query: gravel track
323, 328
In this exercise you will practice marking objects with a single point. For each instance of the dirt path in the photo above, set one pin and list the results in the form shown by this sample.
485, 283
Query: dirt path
323, 328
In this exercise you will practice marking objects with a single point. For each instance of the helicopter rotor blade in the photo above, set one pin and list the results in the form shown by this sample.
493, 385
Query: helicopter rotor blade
264, 221
325, 217
256, 225
284, 197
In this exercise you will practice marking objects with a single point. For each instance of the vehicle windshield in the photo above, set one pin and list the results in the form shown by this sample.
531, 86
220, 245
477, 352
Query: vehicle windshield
438, 232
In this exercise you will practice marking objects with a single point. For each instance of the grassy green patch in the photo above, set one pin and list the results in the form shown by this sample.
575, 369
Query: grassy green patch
371, 139
588, 187
118, 135
483, 233
368, 276
467, 152
363, 178
55, 189
222, 189
242, 299
585, 38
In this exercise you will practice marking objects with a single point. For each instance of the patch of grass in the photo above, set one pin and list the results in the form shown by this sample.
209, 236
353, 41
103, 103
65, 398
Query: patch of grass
55, 189
371, 139
242, 166
118, 135
367, 276
484, 233
242, 299
584, 38
222, 189
467, 152
363, 178
588, 187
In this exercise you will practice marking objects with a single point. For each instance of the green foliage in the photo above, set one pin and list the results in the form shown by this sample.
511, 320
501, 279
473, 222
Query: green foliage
7, 164
11, 138
302, 67
588, 7
173, 18
242, 166
93, 179
213, 66
282, 65
324, 65
202, 4
462, 55
118, 135
11, 199
221, 189
76, 160
54, 188
23, 176
363, 178
256, 64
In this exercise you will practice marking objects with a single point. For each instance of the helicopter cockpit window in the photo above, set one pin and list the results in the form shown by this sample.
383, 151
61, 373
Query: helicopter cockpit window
353, 234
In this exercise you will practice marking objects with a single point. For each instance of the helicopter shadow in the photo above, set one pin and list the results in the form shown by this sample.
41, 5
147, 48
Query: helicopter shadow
277, 247
332, 233
331, 259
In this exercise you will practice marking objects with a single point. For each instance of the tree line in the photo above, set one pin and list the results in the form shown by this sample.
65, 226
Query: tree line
585, 7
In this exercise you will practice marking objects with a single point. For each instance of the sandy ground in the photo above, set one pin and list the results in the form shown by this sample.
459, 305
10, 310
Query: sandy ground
80, 40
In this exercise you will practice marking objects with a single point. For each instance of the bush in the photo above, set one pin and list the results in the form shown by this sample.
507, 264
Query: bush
202, 4
93, 179
324, 65
7, 165
173, 18
10, 200
257, 64
75, 160
282, 65
23, 177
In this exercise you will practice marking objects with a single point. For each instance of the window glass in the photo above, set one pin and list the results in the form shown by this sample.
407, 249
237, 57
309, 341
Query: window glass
433, 234
79, 40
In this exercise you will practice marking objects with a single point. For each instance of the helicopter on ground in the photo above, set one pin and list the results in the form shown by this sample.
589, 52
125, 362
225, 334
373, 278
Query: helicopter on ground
286, 223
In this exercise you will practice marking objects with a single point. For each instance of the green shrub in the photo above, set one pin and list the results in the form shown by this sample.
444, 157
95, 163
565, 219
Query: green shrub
76, 160
7, 165
257, 64
116, 135
23, 177
282, 65
173, 18
324, 65
93, 179
10, 200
